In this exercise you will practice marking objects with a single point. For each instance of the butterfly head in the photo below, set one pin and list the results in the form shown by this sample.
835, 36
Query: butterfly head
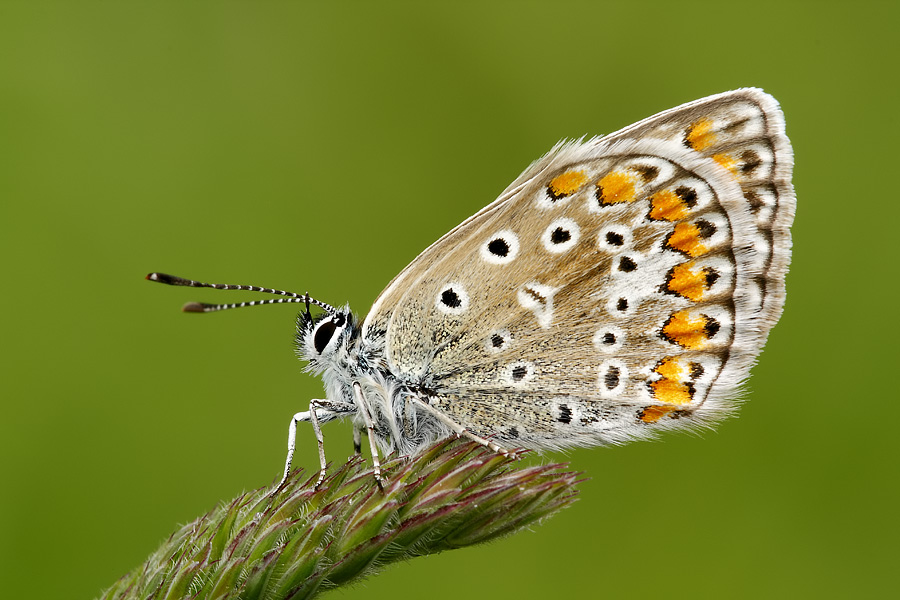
325, 338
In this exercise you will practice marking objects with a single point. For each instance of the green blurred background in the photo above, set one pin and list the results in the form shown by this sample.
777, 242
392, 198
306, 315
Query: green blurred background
314, 147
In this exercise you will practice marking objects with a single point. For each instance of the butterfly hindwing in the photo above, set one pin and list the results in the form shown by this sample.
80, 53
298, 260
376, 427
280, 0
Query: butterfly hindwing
619, 286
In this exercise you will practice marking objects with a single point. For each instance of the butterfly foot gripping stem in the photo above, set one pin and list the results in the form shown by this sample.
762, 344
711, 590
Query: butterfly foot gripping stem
363, 408
313, 417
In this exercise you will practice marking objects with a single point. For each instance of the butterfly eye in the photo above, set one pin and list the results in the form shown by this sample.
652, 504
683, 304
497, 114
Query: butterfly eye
325, 331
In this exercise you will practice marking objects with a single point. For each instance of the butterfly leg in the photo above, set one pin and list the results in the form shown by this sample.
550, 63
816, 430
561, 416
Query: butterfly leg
408, 415
327, 410
459, 430
370, 428
320, 441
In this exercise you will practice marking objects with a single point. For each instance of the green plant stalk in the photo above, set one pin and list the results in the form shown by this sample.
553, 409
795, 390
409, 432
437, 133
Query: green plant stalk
304, 540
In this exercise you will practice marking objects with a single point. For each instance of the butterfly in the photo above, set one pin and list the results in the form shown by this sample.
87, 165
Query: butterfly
621, 286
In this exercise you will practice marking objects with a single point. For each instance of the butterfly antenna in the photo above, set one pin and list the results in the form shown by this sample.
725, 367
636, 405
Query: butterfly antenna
290, 297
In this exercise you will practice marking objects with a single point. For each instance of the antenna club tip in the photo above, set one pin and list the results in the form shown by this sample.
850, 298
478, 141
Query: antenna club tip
162, 278
194, 307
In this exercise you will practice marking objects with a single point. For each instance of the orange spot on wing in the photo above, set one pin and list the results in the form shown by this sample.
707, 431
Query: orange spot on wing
670, 368
726, 161
699, 135
566, 184
687, 282
671, 388
686, 238
687, 332
667, 206
652, 414
671, 392
675, 385
616, 187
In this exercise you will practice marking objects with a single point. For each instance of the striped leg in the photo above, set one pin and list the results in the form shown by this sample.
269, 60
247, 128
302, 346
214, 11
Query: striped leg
318, 409
459, 430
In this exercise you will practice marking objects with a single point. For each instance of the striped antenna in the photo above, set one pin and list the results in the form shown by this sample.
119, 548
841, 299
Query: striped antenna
291, 297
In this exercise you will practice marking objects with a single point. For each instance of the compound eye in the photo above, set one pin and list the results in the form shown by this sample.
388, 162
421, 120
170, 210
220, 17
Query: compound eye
324, 333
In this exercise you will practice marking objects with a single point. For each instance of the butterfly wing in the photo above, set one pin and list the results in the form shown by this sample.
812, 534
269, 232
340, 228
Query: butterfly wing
619, 286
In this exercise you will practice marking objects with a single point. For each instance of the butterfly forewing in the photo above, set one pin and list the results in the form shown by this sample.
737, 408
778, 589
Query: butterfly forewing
620, 286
